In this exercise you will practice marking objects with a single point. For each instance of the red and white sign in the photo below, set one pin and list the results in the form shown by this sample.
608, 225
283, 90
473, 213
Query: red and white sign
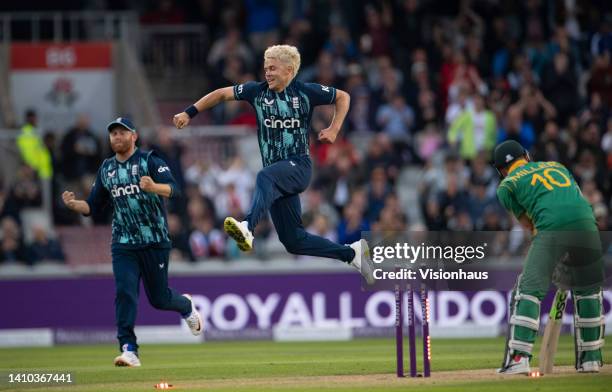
61, 81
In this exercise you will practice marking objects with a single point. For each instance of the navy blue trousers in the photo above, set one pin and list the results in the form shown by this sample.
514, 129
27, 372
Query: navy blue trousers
277, 190
150, 264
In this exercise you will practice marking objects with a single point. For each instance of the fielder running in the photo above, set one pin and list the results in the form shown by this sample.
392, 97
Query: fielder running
284, 108
134, 183
566, 249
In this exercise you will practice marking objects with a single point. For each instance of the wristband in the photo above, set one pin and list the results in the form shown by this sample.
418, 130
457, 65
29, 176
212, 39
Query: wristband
191, 111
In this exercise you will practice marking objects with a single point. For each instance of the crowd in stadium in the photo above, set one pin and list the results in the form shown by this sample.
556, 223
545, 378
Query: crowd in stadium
430, 88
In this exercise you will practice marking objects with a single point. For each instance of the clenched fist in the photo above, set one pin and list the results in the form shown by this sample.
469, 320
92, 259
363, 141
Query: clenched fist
181, 120
328, 135
147, 184
69, 199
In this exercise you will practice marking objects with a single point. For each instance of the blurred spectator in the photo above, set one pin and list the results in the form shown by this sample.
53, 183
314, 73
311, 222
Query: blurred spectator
327, 155
396, 119
376, 40
206, 241
33, 151
380, 153
590, 192
341, 46
429, 142
462, 103
606, 142
378, 191
171, 151
601, 216
13, 249
451, 201
550, 146
482, 171
323, 71
427, 111
314, 204
339, 179
436, 176
262, 23
493, 219
231, 202
81, 155
43, 247
479, 201
596, 111
559, 83
601, 42
181, 249
229, 45
352, 224
522, 73
586, 167
236, 184
321, 226
514, 128
25, 192
535, 107
408, 21
600, 80
361, 117
474, 130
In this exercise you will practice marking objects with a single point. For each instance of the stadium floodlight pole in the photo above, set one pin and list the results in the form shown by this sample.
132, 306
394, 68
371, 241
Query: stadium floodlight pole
399, 335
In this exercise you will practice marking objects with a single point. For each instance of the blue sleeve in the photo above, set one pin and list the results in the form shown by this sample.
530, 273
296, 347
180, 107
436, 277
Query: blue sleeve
99, 196
319, 94
161, 174
246, 91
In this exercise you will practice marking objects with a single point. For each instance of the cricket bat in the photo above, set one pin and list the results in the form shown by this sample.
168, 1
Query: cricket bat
552, 332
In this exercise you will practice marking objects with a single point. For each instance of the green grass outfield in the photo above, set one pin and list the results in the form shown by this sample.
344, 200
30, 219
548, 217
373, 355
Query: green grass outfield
359, 365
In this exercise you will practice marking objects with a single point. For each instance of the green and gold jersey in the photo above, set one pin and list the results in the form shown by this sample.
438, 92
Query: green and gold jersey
546, 192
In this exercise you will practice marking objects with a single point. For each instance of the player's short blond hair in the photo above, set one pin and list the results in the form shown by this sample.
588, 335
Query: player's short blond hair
287, 54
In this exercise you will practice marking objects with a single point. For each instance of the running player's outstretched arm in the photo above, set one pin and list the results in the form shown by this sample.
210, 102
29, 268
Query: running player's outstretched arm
208, 101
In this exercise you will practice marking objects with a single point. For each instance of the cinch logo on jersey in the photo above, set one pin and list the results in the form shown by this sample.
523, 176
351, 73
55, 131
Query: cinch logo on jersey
125, 190
274, 122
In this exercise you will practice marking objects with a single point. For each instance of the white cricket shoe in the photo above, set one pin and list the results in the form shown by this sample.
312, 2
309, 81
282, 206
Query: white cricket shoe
518, 365
589, 367
194, 320
240, 232
128, 359
362, 261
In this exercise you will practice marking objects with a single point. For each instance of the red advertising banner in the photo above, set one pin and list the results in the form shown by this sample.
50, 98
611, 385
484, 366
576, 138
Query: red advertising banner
63, 80
50, 56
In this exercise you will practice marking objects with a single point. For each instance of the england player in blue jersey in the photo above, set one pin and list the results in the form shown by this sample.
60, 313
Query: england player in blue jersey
133, 183
284, 109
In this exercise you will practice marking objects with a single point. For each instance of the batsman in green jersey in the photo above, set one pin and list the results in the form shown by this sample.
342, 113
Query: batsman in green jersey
565, 249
